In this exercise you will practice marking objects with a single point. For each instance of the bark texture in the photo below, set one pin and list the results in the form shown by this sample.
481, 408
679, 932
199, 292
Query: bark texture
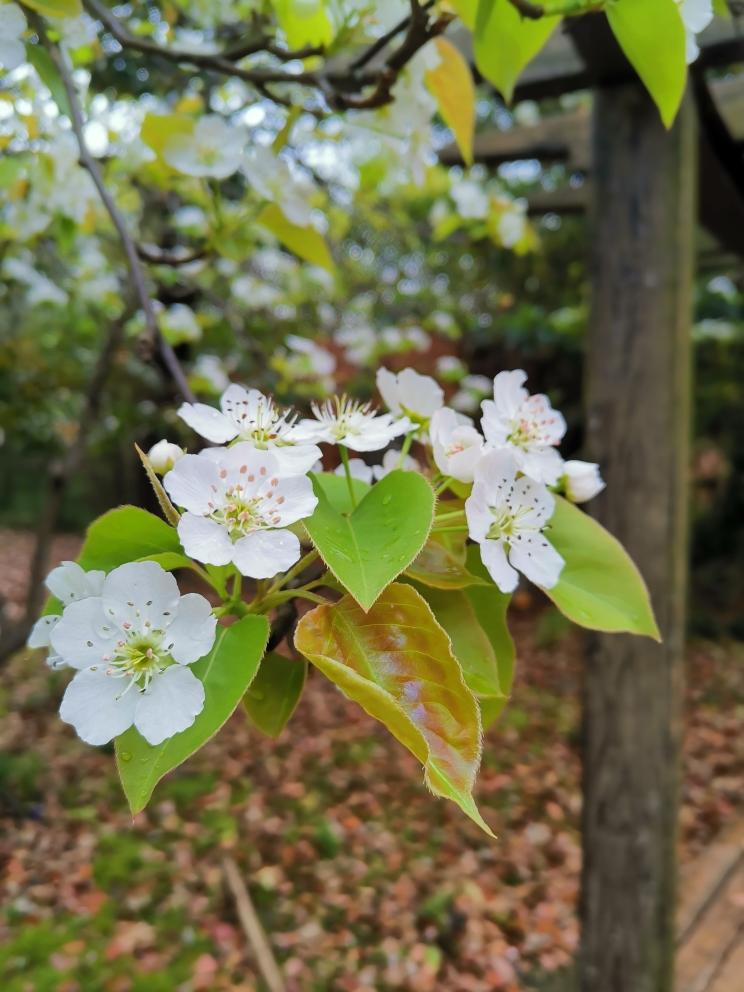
638, 406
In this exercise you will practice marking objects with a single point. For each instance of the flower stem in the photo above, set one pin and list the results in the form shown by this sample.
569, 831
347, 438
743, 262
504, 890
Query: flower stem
443, 485
347, 473
405, 448
294, 571
440, 518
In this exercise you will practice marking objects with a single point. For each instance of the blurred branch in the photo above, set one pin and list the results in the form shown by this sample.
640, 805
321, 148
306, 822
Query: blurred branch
60, 472
157, 257
342, 88
533, 11
88, 162
252, 928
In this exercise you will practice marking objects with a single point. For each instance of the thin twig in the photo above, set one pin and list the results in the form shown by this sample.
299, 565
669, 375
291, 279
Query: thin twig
158, 257
136, 271
252, 927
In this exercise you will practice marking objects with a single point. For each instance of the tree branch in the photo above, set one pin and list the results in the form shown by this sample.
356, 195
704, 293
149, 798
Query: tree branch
130, 248
533, 11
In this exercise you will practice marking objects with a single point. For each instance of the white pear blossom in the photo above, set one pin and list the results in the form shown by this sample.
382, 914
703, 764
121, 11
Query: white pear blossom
353, 424
179, 325
238, 506
12, 26
410, 394
358, 469
696, 16
471, 199
70, 584
273, 180
212, 371
473, 388
248, 415
527, 425
512, 221
506, 516
132, 645
164, 455
214, 148
582, 481
306, 360
391, 461
457, 445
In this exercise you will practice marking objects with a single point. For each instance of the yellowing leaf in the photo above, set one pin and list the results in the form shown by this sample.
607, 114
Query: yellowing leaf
397, 663
451, 83
439, 568
55, 8
303, 241
505, 42
652, 35
159, 129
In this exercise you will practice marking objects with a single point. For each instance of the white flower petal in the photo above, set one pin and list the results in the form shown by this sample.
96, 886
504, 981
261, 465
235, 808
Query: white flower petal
171, 703
296, 459
537, 503
190, 480
419, 394
509, 392
539, 561
191, 635
81, 637
291, 500
97, 705
70, 583
266, 552
494, 558
478, 513
208, 422
41, 632
387, 385
542, 464
141, 593
205, 540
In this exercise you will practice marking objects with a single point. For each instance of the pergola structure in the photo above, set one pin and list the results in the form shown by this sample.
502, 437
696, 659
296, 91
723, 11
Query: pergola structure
644, 189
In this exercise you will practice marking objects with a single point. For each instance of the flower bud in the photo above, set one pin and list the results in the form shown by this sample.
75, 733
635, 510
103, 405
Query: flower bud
582, 481
164, 455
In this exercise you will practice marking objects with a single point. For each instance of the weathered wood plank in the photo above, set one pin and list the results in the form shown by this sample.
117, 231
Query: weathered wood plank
703, 880
731, 976
706, 955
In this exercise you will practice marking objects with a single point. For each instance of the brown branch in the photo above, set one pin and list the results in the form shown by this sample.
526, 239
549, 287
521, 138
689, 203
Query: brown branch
527, 9
128, 244
252, 928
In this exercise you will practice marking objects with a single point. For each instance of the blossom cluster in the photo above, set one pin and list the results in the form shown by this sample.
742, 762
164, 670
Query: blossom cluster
131, 636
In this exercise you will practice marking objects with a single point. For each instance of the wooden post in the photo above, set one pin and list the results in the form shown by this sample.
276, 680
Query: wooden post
638, 396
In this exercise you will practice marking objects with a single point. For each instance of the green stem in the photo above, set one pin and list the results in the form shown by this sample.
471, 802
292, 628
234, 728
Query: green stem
405, 448
443, 485
440, 518
449, 530
347, 473
296, 570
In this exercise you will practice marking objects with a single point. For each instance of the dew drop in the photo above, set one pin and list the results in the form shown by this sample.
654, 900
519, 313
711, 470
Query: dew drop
125, 756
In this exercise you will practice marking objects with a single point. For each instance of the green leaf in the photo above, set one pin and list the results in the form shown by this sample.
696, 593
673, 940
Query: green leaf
127, 534
42, 61
10, 170
439, 568
226, 672
600, 587
304, 23
470, 644
336, 490
652, 35
490, 606
55, 8
721, 9
505, 42
368, 548
274, 693
303, 241
466, 10
397, 663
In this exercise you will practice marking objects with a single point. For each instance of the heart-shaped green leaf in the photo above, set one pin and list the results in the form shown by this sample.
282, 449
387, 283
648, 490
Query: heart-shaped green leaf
600, 587
226, 672
274, 693
367, 548
397, 663
505, 42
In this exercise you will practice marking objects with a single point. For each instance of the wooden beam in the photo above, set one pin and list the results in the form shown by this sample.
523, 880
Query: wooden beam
638, 407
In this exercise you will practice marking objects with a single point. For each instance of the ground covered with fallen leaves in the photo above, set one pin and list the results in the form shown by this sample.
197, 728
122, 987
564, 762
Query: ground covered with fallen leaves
362, 879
